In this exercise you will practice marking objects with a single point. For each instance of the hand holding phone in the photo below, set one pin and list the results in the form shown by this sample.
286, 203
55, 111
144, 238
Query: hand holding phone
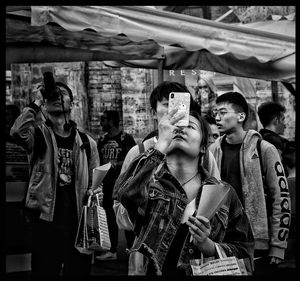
181, 102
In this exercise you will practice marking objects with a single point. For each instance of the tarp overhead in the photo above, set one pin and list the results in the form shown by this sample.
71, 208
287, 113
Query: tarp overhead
114, 32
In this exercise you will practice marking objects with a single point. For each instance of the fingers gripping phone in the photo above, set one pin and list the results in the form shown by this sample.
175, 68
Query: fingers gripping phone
180, 100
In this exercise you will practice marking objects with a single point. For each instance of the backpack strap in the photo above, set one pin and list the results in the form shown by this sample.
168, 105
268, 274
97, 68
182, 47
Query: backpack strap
141, 147
86, 144
258, 146
268, 197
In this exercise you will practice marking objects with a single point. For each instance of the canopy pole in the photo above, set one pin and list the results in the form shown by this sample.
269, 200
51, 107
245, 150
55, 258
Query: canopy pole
160, 70
274, 88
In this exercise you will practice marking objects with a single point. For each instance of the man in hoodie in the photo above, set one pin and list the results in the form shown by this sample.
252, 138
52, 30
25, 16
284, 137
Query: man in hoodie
238, 161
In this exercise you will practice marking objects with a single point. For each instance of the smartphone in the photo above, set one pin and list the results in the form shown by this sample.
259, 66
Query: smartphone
180, 100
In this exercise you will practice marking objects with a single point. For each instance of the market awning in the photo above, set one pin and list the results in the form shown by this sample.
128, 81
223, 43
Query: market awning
140, 36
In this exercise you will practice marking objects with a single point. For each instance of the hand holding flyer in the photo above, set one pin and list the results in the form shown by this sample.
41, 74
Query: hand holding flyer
212, 197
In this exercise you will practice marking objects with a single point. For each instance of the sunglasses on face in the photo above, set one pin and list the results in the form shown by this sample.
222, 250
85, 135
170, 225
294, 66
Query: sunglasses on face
202, 87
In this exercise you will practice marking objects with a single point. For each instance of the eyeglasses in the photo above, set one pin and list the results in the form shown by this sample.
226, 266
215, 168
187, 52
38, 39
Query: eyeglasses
221, 112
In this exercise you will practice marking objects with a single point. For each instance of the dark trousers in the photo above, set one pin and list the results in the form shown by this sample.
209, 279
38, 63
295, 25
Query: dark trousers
54, 253
262, 264
108, 203
130, 236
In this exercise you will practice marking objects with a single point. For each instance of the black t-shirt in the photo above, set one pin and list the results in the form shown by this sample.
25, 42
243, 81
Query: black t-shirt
114, 150
65, 213
230, 166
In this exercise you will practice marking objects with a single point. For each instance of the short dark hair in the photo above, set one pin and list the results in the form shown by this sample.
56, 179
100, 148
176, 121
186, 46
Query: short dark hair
163, 90
113, 115
237, 101
267, 111
205, 129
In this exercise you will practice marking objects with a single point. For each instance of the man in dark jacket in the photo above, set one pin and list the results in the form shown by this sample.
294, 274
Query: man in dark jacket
271, 115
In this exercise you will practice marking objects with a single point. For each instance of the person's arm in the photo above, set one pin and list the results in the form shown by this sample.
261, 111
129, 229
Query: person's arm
200, 229
213, 167
238, 240
135, 203
24, 129
131, 187
132, 154
122, 217
277, 191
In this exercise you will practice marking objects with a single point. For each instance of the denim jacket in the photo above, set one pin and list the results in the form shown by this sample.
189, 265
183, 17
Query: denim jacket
156, 201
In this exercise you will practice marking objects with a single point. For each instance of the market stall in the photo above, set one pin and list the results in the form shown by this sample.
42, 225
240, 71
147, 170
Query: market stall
141, 36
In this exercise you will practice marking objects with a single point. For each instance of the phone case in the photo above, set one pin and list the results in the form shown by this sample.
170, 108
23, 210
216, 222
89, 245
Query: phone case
180, 100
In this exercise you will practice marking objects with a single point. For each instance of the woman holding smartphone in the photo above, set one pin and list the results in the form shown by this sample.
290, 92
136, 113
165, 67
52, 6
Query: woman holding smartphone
161, 191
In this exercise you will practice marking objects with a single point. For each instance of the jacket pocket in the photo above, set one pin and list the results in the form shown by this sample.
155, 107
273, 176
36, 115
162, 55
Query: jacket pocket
39, 172
158, 202
158, 213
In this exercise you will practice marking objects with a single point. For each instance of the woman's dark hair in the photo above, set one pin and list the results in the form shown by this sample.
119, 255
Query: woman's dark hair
204, 126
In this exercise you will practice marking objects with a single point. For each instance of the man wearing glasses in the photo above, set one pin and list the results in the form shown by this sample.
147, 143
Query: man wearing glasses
263, 191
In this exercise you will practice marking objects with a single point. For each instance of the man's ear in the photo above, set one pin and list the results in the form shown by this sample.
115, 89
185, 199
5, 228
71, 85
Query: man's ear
242, 116
276, 120
153, 113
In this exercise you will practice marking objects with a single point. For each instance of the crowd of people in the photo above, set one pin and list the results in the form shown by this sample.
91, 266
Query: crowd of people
153, 189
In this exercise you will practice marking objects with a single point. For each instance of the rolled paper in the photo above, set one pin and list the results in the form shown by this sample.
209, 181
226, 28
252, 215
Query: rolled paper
212, 197
99, 174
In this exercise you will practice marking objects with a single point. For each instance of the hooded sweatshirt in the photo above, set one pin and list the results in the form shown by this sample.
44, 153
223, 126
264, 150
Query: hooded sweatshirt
270, 229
